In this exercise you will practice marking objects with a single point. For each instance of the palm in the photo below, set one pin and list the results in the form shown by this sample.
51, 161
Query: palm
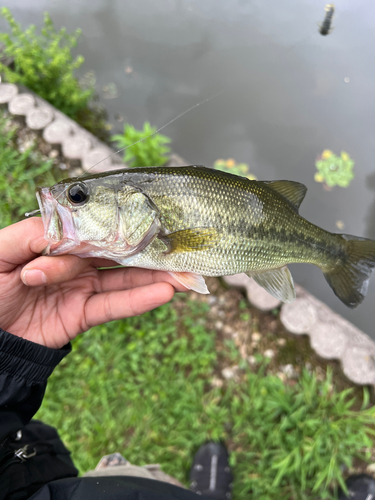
77, 295
37, 312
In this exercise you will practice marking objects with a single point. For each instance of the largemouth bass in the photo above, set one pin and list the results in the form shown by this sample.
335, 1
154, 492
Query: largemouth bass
194, 221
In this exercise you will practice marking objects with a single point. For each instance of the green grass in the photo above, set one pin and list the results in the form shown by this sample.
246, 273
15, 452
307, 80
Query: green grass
142, 387
43, 62
20, 174
144, 148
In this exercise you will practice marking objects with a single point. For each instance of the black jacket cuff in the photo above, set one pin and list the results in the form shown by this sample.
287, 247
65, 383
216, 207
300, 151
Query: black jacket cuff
24, 359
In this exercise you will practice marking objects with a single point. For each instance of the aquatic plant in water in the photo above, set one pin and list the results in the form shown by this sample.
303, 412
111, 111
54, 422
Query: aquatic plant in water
232, 167
334, 170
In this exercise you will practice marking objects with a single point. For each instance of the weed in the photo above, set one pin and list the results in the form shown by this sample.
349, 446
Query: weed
232, 167
44, 63
20, 174
142, 387
295, 440
334, 170
142, 150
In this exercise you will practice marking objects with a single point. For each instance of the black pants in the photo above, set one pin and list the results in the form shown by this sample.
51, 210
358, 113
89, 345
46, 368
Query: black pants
42, 457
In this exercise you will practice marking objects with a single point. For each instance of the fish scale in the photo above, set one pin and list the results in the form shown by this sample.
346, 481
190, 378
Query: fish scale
246, 214
193, 221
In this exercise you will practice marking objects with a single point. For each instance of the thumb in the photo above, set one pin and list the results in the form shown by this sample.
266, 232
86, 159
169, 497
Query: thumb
53, 270
20, 243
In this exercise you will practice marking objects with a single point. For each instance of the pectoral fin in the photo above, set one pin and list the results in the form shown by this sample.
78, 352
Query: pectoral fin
192, 281
277, 282
189, 240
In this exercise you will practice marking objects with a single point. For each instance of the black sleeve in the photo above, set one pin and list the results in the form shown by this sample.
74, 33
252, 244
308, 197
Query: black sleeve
24, 370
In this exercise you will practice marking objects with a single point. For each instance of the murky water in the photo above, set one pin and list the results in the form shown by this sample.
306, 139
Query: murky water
288, 92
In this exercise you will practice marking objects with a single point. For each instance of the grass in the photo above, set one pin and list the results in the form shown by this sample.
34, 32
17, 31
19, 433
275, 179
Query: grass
144, 148
43, 62
142, 387
20, 174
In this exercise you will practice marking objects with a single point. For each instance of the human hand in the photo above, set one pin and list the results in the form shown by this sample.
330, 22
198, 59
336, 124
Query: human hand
72, 295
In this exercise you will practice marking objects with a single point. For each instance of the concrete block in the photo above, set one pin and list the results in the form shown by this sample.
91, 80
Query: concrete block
358, 365
76, 147
298, 316
97, 160
21, 104
7, 92
255, 293
58, 131
39, 118
328, 340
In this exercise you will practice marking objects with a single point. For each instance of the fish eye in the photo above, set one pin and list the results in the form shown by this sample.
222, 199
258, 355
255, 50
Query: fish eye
78, 194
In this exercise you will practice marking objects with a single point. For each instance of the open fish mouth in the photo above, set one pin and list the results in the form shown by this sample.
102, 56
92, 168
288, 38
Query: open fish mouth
58, 223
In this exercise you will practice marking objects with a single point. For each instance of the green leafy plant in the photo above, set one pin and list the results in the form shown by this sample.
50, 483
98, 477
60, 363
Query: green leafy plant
44, 63
232, 167
334, 170
142, 150
299, 438
142, 387
20, 174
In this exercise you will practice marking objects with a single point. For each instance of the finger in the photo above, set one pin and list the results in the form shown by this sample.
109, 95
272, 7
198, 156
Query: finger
21, 242
133, 277
104, 307
53, 270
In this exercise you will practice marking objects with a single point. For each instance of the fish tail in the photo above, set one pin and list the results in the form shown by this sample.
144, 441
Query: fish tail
349, 279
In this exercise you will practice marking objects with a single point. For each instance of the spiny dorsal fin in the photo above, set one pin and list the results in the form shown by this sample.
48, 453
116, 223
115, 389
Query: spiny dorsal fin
294, 192
189, 240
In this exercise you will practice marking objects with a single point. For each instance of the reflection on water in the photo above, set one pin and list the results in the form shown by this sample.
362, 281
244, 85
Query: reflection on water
289, 93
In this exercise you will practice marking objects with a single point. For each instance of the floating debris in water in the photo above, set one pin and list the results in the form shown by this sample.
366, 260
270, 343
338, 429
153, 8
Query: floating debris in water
232, 167
325, 27
340, 225
110, 91
346, 79
334, 170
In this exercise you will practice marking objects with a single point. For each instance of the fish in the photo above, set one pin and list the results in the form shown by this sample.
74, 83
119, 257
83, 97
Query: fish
193, 221
325, 27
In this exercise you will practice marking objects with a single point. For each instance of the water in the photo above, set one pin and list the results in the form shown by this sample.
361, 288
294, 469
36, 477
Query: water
289, 93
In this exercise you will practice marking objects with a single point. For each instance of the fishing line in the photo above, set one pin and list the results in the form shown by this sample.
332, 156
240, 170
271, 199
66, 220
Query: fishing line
34, 212
140, 140
156, 131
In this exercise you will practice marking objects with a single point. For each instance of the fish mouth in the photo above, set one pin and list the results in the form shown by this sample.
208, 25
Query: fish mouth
57, 222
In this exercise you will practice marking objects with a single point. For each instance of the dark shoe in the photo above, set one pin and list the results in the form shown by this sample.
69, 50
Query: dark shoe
361, 487
210, 474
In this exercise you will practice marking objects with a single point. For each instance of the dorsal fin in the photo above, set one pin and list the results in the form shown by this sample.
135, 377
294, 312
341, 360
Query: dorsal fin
294, 192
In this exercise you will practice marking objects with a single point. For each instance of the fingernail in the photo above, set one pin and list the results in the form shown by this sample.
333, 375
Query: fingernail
34, 277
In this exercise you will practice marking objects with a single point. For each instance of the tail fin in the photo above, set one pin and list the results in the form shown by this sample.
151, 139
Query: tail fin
350, 280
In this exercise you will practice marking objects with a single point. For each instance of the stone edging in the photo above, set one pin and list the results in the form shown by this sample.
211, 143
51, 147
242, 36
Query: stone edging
331, 336
57, 129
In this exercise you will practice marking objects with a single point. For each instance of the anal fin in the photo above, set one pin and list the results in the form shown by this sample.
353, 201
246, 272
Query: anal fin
192, 281
277, 282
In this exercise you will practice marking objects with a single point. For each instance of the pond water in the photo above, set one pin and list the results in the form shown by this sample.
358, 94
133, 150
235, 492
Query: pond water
288, 93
